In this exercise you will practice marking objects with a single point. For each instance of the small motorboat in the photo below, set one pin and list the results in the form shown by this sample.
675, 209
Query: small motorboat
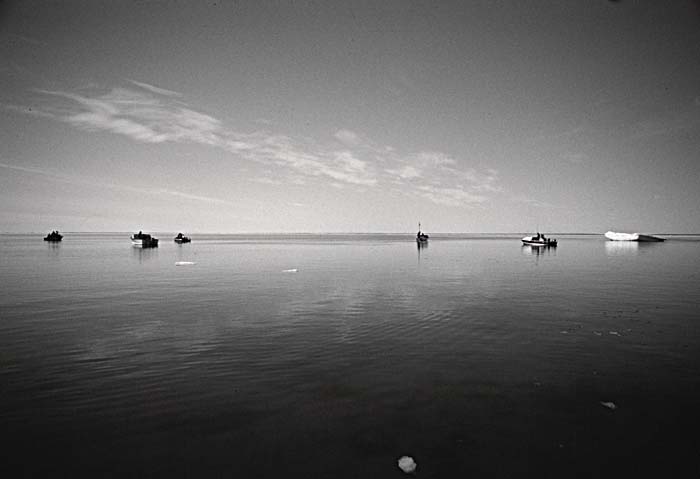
612, 236
539, 240
144, 240
421, 237
180, 238
54, 237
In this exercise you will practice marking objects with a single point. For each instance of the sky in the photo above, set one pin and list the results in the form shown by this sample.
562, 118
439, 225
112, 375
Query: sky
344, 116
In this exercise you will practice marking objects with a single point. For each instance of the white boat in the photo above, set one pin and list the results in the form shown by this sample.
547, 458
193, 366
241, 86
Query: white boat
539, 240
613, 236
144, 240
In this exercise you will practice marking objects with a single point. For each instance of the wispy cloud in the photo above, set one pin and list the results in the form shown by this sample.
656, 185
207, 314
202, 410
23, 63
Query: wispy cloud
537, 203
267, 181
347, 137
189, 196
151, 118
435, 158
450, 196
137, 115
449, 174
71, 179
150, 114
155, 89
406, 173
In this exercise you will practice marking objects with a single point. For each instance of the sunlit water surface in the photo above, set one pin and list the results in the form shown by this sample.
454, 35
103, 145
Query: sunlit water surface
333, 356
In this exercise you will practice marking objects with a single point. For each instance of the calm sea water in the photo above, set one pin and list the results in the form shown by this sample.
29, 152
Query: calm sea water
474, 355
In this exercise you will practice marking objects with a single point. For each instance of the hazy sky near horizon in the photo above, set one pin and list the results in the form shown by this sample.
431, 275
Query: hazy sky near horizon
343, 116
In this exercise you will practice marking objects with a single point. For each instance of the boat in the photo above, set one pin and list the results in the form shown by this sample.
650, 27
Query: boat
421, 237
144, 240
539, 240
613, 236
54, 237
180, 238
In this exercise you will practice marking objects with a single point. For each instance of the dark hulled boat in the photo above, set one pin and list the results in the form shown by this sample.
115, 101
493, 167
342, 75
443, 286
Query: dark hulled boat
180, 239
144, 240
421, 237
54, 237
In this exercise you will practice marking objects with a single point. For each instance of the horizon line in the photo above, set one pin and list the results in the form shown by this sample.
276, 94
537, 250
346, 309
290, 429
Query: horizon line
308, 233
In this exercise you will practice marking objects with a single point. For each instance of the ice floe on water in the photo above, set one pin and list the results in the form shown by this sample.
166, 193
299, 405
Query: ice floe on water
613, 236
407, 464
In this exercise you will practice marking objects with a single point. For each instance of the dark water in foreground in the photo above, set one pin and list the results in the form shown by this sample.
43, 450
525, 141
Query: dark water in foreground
476, 356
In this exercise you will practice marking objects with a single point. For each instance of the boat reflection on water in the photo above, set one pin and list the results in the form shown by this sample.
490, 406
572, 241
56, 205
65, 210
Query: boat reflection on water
422, 245
144, 254
531, 250
54, 248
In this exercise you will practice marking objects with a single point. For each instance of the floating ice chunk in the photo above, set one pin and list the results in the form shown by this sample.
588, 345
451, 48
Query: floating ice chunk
289, 270
609, 404
611, 235
407, 464
184, 263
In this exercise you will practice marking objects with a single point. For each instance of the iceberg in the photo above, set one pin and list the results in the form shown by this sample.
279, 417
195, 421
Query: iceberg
613, 236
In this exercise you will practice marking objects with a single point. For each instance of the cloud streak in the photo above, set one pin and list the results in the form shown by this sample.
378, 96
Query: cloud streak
450, 196
155, 89
150, 114
139, 116
63, 178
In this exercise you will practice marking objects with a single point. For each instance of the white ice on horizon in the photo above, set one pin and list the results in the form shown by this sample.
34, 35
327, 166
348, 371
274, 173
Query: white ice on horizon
611, 235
